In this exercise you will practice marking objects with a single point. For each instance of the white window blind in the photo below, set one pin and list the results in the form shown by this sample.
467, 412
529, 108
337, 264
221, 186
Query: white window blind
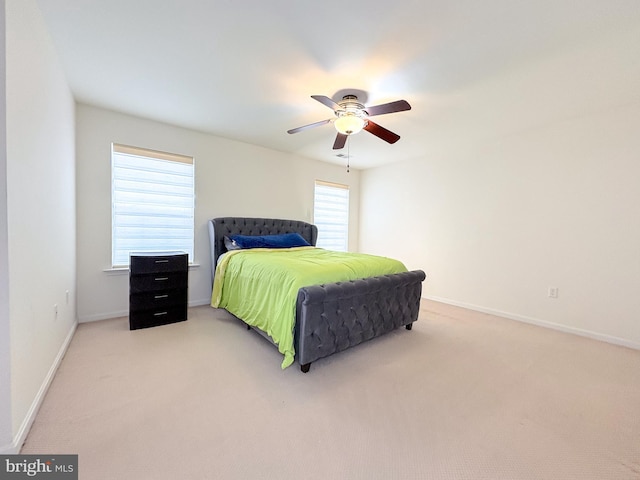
152, 202
331, 215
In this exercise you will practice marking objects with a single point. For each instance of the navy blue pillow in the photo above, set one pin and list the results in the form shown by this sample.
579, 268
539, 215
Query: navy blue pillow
284, 240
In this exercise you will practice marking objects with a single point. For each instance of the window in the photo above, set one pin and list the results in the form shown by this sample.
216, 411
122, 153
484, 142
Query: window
152, 202
331, 215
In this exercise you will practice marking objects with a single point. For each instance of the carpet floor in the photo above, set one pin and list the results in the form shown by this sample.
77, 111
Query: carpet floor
464, 395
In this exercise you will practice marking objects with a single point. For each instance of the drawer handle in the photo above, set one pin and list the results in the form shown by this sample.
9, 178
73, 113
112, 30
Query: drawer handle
161, 296
162, 261
161, 279
159, 314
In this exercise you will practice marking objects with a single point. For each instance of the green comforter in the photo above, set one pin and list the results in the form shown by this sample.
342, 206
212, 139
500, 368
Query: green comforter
261, 285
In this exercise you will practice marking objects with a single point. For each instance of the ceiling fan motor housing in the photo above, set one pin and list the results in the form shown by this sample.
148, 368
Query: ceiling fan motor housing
351, 115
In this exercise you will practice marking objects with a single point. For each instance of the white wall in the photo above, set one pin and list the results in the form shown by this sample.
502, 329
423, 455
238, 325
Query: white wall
495, 226
548, 196
232, 179
6, 433
40, 209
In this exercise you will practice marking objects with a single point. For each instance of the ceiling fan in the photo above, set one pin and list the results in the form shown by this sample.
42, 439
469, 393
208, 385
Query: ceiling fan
352, 116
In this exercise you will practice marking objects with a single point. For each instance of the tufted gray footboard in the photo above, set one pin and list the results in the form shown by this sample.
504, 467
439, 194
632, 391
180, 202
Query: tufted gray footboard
336, 316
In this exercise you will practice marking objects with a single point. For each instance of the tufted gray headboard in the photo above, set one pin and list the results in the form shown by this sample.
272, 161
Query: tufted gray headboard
225, 226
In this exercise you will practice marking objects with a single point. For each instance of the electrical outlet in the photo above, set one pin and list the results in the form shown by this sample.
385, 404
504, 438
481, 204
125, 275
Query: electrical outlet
553, 292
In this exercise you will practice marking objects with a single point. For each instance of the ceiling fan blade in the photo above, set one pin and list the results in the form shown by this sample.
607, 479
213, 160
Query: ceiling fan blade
341, 140
311, 125
397, 106
326, 101
381, 132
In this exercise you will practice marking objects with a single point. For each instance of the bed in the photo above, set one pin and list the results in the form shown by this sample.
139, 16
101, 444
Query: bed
332, 316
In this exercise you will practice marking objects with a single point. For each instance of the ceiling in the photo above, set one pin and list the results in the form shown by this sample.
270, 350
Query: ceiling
472, 71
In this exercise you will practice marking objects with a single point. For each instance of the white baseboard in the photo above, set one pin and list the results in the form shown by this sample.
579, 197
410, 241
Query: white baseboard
541, 323
102, 316
21, 436
199, 303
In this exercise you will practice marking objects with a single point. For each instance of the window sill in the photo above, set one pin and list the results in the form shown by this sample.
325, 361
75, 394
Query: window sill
125, 270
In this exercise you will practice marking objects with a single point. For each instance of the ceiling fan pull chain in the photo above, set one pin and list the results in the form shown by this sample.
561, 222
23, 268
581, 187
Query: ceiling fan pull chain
348, 153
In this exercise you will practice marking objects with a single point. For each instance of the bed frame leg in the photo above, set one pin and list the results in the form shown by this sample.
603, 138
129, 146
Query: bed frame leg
248, 327
305, 368
409, 326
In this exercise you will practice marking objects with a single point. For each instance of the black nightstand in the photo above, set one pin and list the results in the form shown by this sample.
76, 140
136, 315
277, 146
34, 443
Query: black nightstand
157, 289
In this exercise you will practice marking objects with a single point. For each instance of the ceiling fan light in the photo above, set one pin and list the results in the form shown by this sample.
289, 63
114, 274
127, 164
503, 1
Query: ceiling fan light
349, 124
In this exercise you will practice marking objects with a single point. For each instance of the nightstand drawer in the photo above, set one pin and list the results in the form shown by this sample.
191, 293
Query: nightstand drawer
157, 281
159, 316
162, 263
159, 299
